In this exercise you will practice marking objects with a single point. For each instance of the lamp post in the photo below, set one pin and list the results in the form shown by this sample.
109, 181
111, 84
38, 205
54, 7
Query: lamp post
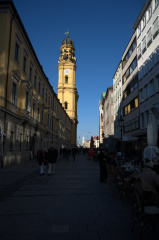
121, 124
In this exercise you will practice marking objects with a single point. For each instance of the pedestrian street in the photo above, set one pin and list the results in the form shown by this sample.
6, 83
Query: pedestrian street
71, 205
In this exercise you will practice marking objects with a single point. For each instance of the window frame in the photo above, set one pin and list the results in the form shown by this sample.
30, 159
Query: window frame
34, 110
66, 79
144, 22
39, 87
25, 57
66, 105
42, 117
35, 81
156, 3
143, 44
151, 88
156, 27
38, 114
27, 101
43, 92
149, 11
30, 73
17, 49
11, 140
139, 51
14, 93
139, 30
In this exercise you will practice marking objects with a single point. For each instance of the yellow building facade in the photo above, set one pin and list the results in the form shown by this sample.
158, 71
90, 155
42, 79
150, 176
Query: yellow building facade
31, 116
66, 90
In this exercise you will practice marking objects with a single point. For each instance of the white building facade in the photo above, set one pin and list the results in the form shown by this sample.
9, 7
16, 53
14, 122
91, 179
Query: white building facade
147, 26
101, 132
117, 93
108, 113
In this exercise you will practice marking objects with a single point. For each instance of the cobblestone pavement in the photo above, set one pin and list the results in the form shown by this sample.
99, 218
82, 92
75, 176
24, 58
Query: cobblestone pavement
70, 205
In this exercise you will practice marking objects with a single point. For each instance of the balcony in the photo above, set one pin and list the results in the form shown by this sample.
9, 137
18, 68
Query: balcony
24, 114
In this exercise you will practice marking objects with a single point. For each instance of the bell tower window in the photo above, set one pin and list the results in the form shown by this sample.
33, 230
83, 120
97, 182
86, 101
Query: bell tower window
66, 79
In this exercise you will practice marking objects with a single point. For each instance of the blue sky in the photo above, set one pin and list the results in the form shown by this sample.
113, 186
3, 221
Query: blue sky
100, 30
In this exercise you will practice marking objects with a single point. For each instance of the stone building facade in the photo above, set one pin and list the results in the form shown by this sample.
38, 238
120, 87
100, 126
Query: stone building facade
31, 116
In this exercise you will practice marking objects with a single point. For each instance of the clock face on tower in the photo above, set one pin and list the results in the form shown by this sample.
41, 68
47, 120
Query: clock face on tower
67, 71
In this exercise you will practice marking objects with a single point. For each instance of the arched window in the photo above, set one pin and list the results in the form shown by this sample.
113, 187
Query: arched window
66, 79
66, 105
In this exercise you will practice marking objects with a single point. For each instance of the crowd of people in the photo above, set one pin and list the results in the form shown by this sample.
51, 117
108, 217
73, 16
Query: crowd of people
148, 171
47, 159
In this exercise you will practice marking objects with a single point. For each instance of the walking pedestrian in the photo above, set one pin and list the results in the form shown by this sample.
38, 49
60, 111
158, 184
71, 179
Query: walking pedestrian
52, 157
42, 160
37, 155
74, 152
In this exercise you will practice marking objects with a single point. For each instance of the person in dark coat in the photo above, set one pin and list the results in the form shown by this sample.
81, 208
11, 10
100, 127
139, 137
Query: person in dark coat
115, 161
52, 157
74, 152
37, 155
102, 164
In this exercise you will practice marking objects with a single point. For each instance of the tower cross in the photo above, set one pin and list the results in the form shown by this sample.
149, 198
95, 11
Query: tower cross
67, 33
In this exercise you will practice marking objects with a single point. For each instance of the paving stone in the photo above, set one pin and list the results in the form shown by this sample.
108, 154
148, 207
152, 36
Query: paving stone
72, 205
78, 228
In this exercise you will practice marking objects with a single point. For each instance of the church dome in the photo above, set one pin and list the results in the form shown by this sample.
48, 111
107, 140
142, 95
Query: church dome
67, 41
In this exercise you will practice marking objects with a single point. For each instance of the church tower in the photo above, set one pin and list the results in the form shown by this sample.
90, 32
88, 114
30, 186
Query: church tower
66, 90
83, 140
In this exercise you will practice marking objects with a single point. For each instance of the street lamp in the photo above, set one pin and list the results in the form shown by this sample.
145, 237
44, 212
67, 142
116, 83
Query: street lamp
121, 124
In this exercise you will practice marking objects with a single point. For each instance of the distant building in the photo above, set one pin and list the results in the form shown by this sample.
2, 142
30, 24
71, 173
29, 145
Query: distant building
118, 100
83, 140
101, 131
130, 93
108, 113
96, 142
86, 144
106, 125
